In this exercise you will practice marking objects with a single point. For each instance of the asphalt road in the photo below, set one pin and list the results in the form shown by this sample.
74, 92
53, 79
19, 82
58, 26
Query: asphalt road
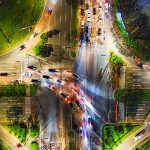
130, 142
10, 139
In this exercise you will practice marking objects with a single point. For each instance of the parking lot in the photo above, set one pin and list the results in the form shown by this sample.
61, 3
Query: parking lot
138, 113
137, 78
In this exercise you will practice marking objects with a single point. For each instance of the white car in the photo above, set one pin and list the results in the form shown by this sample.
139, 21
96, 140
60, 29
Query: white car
139, 135
82, 24
28, 74
89, 17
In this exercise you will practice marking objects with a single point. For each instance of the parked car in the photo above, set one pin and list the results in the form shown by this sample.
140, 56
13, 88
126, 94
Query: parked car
76, 76
32, 67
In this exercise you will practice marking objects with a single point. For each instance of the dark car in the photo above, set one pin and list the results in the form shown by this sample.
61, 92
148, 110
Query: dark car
99, 32
79, 104
82, 12
139, 135
87, 6
46, 77
81, 2
52, 70
32, 67
55, 31
87, 39
86, 29
94, 11
59, 81
22, 47
64, 95
76, 76
89, 120
37, 81
4, 74
71, 105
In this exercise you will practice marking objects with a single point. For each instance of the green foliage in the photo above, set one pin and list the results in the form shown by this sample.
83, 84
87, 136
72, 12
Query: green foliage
44, 37
113, 134
33, 89
38, 49
34, 146
71, 146
13, 90
115, 60
127, 95
18, 14
73, 53
144, 146
19, 130
138, 28
34, 130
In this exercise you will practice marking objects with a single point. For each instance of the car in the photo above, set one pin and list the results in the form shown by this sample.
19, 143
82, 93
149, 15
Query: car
15, 81
51, 87
76, 76
46, 76
22, 47
100, 5
106, 8
81, 131
52, 70
82, 24
87, 6
37, 81
59, 80
64, 95
139, 135
28, 74
49, 10
4, 74
72, 106
79, 104
82, 12
66, 80
94, 11
18, 145
55, 31
89, 17
99, 32
87, 39
32, 67
86, 29
89, 121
